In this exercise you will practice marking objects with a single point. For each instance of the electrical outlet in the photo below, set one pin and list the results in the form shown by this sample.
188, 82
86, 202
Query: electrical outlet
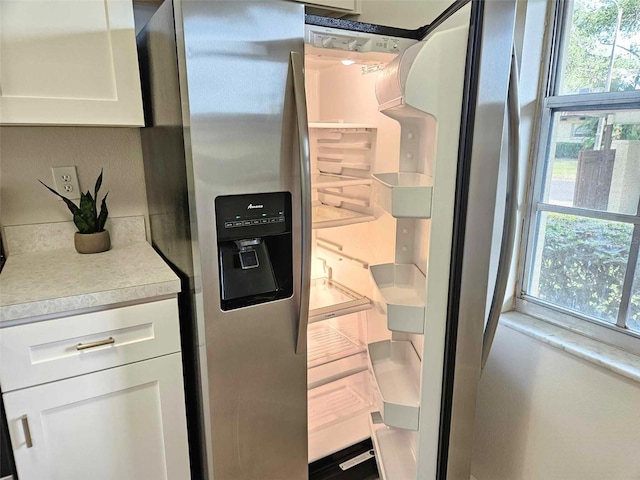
65, 180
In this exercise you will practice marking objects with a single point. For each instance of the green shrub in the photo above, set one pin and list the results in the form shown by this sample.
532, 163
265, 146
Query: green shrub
583, 265
568, 149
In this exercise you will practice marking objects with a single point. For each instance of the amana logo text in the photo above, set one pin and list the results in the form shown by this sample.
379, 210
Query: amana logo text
251, 206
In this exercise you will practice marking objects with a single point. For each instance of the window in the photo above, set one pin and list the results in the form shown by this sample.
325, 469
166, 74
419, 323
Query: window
584, 223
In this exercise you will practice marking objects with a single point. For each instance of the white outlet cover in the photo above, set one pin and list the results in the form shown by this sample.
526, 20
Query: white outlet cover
65, 181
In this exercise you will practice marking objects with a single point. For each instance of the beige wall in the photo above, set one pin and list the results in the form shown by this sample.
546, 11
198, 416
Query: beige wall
546, 414
28, 153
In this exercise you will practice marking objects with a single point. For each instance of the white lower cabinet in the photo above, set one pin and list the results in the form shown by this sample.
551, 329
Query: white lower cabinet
124, 423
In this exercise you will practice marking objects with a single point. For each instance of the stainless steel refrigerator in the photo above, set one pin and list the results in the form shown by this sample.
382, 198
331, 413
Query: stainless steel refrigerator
327, 191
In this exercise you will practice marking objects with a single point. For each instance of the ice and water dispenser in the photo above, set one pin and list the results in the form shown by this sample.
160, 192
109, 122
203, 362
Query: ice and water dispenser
255, 255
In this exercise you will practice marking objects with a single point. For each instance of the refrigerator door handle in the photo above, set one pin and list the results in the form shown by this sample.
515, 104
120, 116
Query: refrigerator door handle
511, 211
297, 68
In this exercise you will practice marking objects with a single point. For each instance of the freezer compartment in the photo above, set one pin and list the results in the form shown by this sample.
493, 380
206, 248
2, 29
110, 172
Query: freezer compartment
329, 299
395, 450
400, 292
338, 413
396, 370
403, 195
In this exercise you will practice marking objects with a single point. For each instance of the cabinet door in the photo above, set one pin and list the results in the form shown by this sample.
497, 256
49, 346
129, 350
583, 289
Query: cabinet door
69, 62
351, 6
125, 423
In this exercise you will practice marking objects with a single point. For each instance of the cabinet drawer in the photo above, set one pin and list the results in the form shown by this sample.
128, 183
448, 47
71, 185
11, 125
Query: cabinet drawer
65, 347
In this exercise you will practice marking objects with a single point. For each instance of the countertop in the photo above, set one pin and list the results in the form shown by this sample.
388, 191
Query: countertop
46, 283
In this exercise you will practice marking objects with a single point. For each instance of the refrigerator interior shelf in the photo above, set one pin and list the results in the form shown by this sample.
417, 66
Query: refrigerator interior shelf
337, 168
332, 371
337, 196
327, 343
340, 255
332, 156
324, 180
344, 145
341, 126
329, 299
327, 441
395, 450
403, 195
336, 401
400, 292
327, 216
396, 370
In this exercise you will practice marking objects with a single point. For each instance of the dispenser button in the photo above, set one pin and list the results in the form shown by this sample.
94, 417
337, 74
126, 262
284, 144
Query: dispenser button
246, 223
228, 224
237, 224
249, 259
273, 220
263, 220
280, 219
255, 222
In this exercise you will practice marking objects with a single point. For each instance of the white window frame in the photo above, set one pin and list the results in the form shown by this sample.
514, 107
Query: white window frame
614, 334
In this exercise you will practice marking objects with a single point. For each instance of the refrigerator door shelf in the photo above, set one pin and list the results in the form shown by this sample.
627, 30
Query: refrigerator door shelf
396, 370
400, 293
329, 299
328, 216
324, 180
395, 450
403, 195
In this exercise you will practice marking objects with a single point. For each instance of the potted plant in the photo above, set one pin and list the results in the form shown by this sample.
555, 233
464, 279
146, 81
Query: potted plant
91, 236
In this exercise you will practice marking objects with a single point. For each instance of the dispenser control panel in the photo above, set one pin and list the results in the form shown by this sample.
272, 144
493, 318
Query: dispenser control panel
237, 222
241, 216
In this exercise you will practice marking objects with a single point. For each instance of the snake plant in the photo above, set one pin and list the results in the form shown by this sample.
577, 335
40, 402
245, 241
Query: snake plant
85, 215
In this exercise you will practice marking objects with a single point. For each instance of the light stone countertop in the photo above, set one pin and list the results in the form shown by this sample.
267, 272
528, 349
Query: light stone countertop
48, 283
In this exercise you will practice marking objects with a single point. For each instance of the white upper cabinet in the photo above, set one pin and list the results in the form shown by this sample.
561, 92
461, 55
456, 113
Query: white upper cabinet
347, 6
69, 62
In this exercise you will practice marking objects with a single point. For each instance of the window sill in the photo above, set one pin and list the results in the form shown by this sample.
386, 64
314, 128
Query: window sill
601, 354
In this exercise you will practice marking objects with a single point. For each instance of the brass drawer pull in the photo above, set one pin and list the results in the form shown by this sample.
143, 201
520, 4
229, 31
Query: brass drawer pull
27, 431
99, 343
